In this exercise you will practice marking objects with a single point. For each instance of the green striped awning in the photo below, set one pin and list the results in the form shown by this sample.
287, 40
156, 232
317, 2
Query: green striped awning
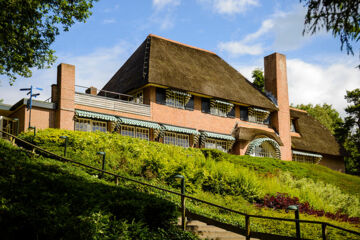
258, 110
140, 123
217, 135
94, 115
306, 154
171, 128
223, 102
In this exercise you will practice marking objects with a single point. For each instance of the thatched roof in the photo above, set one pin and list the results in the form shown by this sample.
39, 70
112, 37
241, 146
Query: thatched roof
164, 62
314, 136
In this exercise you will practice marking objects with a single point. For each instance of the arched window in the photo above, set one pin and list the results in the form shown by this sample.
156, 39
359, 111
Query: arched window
264, 147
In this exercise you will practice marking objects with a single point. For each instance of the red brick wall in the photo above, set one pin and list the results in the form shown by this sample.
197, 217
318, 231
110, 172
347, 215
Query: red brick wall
276, 83
41, 118
66, 96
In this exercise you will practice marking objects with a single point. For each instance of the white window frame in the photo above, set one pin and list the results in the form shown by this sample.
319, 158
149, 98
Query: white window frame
135, 132
219, 144
89, 125
177, 139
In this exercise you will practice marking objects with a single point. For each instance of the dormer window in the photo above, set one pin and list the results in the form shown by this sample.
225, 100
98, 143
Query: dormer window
175, 98
257, 115
220, 108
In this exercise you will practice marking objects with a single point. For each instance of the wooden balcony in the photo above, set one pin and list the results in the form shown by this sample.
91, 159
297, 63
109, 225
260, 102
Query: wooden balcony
112, 104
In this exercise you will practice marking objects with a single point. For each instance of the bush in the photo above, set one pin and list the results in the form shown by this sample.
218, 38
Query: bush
225, 179
44, 199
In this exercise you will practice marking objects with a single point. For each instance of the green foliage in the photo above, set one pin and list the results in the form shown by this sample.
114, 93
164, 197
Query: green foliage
224, 179
28, 28
258, 79
44, 199
348, 133
325, 114
342, 18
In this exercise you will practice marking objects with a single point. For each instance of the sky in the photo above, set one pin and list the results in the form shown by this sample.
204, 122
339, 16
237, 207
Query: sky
242, 32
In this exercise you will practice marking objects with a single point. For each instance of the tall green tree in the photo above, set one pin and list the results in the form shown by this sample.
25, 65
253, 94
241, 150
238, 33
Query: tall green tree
324, 113
340, 17
258, 79
29, 27
348, 134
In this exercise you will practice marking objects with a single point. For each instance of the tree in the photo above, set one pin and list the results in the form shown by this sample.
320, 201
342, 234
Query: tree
348, 134
258, 79
325, 114
28, 28
340, 17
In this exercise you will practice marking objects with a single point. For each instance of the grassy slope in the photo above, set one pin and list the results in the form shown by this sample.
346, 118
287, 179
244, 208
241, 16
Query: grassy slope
234, 181
44, 199
348, 183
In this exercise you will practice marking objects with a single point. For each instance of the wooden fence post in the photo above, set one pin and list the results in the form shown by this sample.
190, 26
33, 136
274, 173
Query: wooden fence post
116, 180
324, 231
247, 227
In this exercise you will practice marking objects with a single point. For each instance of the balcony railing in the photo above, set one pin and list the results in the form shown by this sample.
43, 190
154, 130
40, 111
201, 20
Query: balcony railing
112, 101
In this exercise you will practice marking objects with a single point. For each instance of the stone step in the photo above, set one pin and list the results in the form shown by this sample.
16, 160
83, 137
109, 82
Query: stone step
210, 232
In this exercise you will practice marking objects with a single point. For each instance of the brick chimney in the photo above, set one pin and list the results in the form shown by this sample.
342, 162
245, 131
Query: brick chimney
65, 96
276, 83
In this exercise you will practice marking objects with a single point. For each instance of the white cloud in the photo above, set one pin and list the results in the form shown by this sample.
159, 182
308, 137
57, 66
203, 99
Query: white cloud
109, 21
284, 28
287, 30
161, 4
93, 69
316, 84
230, 7
266, 26
240, 48
163, 15
248, 45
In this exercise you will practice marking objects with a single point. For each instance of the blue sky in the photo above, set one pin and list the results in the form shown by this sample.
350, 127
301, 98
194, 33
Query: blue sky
242, 32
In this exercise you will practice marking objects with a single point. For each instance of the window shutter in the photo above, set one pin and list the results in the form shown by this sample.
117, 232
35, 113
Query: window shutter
190, 104
244, 113
205, 105
160, 95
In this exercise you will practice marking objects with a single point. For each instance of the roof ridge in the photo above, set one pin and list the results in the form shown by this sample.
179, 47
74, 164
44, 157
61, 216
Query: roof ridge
179, 43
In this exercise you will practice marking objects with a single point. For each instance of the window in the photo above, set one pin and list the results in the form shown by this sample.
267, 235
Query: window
190, 104
160, 95
127, 131
176, 139
138, 97
218, 108
305, 159
265, 150
176, 98
216, 144
98, 126
292, 125
142, 133
88, 125
244, 113
205, 105
138, 132
231, 113
257, 115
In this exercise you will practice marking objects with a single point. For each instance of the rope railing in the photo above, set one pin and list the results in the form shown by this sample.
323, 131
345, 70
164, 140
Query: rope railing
248, 233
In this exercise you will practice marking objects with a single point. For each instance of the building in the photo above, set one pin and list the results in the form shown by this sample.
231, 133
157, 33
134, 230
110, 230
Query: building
181, 95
